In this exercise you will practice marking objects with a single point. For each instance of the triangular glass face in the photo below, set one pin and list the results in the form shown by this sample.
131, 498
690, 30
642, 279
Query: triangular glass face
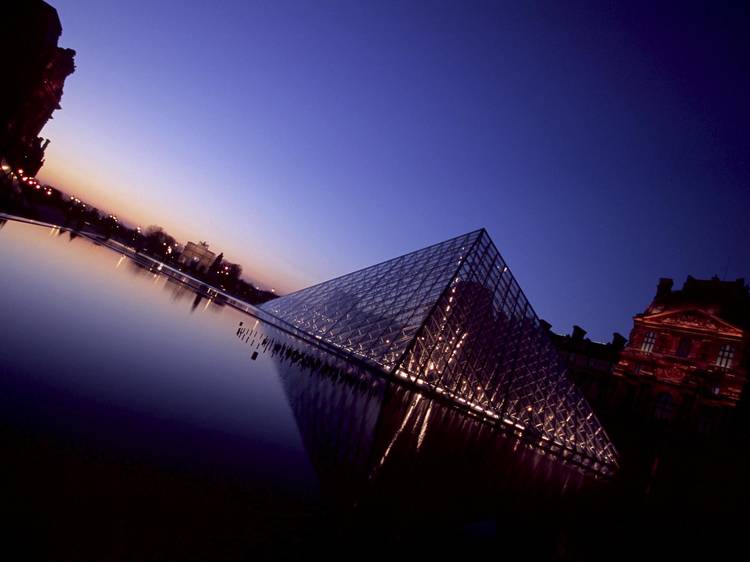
452, 319
375, 313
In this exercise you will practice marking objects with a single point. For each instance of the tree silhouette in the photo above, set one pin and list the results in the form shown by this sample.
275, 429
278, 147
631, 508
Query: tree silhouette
157, 242
216, 265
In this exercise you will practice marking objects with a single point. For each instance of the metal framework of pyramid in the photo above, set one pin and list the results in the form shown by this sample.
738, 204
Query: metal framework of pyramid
452, 319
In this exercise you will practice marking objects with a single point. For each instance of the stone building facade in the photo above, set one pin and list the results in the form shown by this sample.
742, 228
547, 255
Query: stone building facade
197, 256
686, 359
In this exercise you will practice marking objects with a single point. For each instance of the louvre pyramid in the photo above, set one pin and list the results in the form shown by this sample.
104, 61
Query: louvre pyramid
452, 319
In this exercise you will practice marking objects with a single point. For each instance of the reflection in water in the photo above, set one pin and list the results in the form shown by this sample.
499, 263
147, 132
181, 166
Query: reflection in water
180, 290
141, 431
196, 301
132, 429
386, 453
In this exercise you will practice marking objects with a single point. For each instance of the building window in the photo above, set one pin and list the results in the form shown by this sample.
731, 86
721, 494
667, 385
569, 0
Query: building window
683, 348
726, 354
664, 407
648, 342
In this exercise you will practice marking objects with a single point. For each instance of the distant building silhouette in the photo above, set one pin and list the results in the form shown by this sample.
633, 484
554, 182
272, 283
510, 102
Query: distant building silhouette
590, 364
686, 361
34, 70
197, 256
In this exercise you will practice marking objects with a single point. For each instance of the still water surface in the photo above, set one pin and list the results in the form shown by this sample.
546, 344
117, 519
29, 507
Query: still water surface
143, 421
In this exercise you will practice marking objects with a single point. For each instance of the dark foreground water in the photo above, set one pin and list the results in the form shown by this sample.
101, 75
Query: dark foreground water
140, 420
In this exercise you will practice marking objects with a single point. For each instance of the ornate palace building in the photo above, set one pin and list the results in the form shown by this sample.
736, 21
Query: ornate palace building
686, 360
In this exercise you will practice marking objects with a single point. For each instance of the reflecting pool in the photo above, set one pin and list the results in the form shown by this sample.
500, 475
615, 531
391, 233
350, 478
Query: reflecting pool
145, 419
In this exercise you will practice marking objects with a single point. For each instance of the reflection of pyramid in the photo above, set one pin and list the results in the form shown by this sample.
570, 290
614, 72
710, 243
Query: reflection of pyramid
373, 441
452, 319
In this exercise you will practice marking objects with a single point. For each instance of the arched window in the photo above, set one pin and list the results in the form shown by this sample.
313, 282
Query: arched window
726, 355
648, 342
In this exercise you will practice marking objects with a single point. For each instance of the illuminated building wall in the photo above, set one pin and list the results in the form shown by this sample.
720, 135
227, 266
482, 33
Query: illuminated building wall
687, 353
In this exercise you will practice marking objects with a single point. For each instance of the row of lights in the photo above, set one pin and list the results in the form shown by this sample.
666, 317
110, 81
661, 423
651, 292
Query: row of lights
28, 180
75, 201
33, 182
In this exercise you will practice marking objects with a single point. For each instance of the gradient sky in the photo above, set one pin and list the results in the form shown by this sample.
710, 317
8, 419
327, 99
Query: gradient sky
602, 147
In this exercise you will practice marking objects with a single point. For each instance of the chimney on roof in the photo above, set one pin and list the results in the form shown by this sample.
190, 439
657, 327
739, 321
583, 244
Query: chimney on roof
578, 333
618, 341
664, 287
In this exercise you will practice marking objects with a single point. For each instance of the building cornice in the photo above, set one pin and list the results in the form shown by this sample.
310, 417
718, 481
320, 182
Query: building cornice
693, 321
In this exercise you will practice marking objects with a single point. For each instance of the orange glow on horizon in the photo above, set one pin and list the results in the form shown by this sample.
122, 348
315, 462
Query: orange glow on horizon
264, 270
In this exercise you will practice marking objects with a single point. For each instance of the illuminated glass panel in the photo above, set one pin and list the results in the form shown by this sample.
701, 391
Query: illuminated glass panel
452, 318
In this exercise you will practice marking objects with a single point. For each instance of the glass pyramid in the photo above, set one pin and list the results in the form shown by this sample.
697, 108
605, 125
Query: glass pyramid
451, 319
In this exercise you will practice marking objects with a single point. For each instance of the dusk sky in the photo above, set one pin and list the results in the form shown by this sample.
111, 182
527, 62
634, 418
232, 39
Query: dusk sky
602, 148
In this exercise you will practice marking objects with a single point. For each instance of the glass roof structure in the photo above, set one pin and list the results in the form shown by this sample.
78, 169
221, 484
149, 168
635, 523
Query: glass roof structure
451, 319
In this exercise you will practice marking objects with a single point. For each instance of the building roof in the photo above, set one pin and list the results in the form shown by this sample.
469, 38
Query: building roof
728, 300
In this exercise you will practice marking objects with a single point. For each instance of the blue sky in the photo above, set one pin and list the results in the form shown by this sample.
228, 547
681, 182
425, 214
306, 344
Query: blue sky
601, 147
